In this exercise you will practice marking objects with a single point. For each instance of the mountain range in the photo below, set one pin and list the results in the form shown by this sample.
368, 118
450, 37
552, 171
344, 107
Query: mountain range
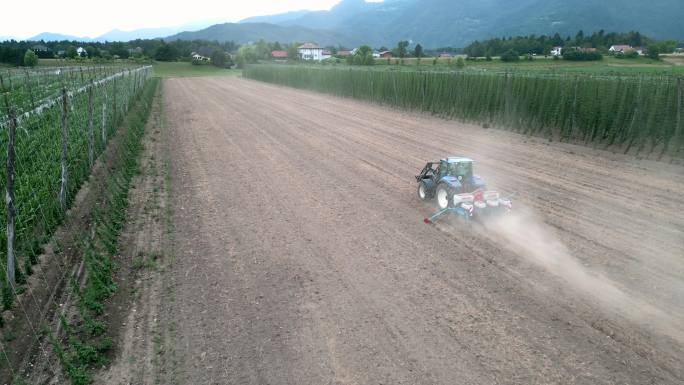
432, 23
438, 23
119, 35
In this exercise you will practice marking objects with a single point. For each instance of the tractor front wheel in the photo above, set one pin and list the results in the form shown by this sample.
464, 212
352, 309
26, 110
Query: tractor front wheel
444, 196
424, 193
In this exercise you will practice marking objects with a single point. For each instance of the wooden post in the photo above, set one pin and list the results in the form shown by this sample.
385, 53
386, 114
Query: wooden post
91, 137
63, 187
9, 194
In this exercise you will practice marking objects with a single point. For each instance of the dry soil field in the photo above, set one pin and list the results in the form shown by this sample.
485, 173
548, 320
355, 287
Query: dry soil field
298, 254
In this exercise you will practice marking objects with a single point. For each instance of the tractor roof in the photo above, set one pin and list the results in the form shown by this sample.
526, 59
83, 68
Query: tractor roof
458, 159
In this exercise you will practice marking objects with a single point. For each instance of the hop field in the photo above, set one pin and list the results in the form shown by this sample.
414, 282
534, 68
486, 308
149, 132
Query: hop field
62, 120
638, 114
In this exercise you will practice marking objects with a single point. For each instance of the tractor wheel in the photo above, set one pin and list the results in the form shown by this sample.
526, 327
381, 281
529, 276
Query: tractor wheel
424, 193
444, 196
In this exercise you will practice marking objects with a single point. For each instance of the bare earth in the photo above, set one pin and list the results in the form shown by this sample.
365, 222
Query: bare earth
298, 253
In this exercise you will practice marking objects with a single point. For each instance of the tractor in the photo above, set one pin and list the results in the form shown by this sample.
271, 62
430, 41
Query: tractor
454, 187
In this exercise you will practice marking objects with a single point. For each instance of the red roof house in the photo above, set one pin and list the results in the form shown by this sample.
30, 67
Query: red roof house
279, 54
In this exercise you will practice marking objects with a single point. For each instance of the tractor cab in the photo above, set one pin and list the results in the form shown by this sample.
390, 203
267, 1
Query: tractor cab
459, 168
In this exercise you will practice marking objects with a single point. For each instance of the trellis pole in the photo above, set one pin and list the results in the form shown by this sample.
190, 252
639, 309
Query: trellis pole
104, 117
63, 160
9, 194
91, 137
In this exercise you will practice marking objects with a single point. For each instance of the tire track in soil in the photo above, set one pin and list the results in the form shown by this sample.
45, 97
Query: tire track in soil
301, 257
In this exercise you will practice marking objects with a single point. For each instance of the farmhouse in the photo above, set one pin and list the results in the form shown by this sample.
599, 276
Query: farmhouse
310, 51
197, 57
343, 53
445, 55
326, 54
279, 55
385, 54
620, 48
557, 51
40, 48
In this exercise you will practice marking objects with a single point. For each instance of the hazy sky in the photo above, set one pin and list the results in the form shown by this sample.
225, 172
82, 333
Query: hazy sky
91, 18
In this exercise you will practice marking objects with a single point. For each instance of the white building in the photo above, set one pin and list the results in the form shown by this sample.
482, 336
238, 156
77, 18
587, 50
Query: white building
620, 48
557, 51
81, 52
198, 57
310, 51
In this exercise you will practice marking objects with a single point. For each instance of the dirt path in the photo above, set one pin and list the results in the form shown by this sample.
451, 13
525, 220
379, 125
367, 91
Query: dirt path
300, 256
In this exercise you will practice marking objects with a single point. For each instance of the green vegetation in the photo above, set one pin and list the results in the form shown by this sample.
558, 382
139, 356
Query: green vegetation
580, 55
642, 114
37, 170
363, 56
610, 65
166, 52
186, 69
13, 52
542, 44
27, 89
84, 345
30, 58
510, 56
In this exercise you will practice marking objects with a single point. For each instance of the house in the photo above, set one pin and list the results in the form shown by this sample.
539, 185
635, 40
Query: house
445, 55
556, 51
376, 54
81, 52
279, 55
310, 51
343, 53
40, 48
620, 48
326, 54
197, 57
386, 54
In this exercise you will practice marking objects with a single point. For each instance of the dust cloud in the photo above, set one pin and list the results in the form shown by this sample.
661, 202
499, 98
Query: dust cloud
527, 234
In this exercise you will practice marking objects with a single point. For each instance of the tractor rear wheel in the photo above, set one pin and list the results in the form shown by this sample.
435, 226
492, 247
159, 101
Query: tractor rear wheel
444, 196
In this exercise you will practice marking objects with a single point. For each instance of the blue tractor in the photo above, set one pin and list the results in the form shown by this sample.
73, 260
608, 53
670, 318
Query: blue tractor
454, 187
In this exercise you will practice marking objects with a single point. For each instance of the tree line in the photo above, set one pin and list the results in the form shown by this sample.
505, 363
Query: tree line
542, 44
13, 52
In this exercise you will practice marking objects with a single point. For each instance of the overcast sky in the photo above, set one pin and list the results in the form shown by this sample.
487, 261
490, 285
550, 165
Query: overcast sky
91, 18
